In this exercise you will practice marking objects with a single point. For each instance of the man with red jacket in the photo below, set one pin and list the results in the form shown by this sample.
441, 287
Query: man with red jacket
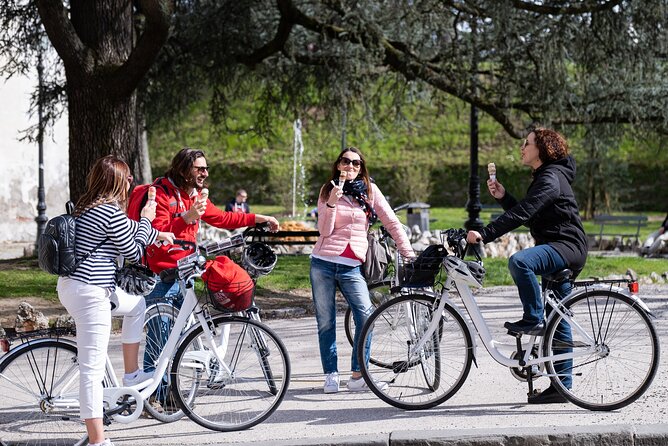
180, 207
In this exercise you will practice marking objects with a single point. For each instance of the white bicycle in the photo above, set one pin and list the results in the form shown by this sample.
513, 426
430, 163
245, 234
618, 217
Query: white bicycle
601, 336
226, 373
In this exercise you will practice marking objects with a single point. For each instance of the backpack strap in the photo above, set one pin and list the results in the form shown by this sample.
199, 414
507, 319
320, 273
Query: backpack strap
88, 254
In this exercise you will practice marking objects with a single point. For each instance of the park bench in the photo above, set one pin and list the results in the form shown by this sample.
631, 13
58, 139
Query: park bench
286, 237
622, 226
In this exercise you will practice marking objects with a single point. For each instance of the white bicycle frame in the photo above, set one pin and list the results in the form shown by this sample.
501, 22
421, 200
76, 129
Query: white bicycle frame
68, 393
463, 285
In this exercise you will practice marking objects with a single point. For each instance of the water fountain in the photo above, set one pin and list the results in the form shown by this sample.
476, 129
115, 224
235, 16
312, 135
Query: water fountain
298, 173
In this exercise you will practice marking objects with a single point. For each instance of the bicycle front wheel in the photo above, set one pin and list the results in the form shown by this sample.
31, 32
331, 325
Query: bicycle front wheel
419, 378
616, 345
233, 380
39, 388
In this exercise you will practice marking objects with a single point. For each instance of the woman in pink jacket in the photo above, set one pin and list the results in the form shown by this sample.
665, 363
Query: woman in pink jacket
347, 206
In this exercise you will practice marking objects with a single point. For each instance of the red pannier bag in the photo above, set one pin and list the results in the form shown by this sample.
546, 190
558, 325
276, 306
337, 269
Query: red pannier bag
229, 285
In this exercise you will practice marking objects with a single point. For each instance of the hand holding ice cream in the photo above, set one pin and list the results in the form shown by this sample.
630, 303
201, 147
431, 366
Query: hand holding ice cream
491, 169
495, 188
151, 194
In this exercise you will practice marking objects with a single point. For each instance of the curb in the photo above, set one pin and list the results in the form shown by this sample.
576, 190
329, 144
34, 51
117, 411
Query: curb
618, 435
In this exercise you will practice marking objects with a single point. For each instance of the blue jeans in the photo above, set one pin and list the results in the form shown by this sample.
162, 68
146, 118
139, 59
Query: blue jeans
325, 277
524, 266
156, 336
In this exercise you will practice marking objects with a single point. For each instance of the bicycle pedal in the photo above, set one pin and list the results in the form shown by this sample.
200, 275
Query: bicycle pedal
535, 392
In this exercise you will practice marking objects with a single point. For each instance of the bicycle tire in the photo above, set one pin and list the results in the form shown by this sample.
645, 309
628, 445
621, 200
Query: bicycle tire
159, 318
379, 292
254, 387
627, 355
39, 384
406, 385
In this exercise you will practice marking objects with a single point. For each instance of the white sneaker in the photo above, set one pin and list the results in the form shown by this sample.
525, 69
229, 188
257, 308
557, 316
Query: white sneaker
106, 442
140, 378
359, 385
331, 383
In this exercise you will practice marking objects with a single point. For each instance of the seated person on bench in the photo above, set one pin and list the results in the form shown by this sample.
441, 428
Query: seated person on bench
656, 239
551, 212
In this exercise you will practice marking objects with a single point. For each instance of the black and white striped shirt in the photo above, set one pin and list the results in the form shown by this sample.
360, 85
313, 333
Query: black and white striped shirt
127, 238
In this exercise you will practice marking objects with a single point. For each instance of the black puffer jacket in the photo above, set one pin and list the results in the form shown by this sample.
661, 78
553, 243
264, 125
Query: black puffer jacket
549, 210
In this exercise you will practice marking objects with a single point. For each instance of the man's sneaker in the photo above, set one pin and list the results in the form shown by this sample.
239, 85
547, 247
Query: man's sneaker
141, 377
359, 385
331, 383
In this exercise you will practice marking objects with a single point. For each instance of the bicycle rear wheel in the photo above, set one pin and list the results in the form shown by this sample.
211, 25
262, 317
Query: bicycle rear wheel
245, 388
428, 376
39, 402
623, 356
158, 323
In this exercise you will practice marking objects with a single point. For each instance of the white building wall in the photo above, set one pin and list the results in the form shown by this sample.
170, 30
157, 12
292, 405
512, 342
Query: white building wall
19, 168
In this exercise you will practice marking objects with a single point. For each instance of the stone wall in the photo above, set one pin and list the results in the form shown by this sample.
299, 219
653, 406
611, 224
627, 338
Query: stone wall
19, 168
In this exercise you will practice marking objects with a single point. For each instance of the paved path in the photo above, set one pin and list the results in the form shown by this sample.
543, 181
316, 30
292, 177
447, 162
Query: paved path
491, 399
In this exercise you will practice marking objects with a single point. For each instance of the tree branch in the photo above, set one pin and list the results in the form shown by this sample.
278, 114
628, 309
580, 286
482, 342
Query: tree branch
75, 55
278, 42
128, 75
586, 7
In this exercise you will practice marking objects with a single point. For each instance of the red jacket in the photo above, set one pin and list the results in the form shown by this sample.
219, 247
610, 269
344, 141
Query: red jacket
172, 203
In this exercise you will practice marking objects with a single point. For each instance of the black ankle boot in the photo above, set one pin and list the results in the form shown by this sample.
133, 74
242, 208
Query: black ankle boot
547, 396
524, 327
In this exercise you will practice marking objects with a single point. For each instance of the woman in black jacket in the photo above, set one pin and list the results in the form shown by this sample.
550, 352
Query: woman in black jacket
551, 213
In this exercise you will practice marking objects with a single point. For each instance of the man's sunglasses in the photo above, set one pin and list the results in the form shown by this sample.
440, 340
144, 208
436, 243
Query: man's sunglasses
347, 161
201, 169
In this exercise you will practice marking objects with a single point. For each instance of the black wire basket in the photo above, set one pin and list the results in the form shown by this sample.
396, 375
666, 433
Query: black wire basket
423, 270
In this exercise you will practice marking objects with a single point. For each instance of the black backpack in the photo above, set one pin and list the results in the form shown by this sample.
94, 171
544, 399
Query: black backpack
56, 250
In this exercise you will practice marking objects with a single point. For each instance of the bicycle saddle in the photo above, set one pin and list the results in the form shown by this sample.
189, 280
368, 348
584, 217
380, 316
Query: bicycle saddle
558, 276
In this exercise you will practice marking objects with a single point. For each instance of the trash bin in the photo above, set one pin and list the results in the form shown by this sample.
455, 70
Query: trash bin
417, 213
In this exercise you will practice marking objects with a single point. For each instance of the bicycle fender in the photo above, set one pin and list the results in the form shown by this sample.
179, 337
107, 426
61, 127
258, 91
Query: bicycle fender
602, 287
30, 343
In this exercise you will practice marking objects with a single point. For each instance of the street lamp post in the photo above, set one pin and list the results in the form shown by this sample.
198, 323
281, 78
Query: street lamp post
41, 218
473, 205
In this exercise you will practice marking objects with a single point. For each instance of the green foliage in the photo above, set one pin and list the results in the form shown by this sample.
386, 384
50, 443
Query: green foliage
28, 282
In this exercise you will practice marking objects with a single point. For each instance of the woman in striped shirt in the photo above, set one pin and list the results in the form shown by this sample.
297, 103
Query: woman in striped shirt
90, 294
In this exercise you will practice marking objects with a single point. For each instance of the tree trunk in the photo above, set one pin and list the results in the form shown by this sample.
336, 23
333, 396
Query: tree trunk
99, 126
104, 62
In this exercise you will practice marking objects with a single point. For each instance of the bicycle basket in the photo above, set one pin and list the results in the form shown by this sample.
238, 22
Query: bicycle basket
423, 270
258, 259
229, 287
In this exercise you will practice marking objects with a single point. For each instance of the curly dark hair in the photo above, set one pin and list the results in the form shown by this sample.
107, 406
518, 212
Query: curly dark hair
181, 169
551, 145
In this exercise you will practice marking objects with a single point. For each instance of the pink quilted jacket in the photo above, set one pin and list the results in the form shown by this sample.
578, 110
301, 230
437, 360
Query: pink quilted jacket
347, 223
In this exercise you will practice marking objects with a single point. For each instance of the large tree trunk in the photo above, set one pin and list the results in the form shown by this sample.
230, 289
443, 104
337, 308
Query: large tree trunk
104, 61
100, 126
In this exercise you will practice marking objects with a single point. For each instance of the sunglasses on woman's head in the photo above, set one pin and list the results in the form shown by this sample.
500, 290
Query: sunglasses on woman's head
347, 161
